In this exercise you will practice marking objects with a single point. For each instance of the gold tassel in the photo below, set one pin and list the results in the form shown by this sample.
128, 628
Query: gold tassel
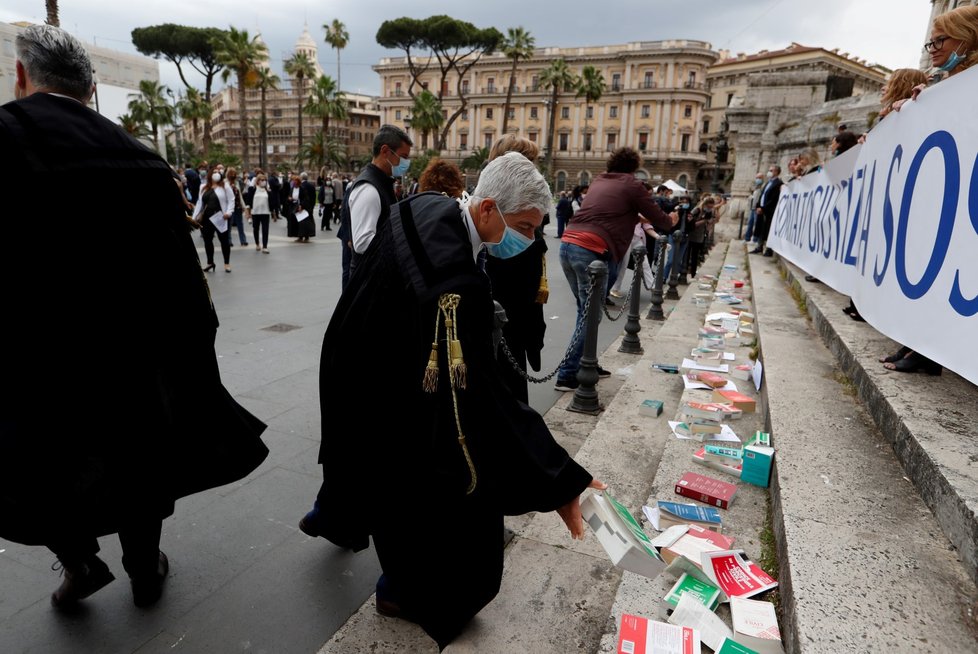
448, 303
543, 292
429, 383
457, 369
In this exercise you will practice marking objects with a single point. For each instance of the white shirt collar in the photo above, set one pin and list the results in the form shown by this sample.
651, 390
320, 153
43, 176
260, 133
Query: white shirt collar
473, 232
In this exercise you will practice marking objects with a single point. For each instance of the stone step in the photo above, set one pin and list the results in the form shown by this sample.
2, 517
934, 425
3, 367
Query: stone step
864, 564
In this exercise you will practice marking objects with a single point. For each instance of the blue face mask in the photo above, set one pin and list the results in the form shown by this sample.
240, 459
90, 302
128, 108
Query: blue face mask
402, 166
952, 62
511, 244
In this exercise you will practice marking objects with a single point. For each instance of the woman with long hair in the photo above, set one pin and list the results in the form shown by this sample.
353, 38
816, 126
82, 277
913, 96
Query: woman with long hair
215, 206
258, 200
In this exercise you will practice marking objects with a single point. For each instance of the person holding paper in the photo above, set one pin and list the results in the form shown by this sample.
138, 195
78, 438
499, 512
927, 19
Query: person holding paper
213, 213
106, 423
432, 466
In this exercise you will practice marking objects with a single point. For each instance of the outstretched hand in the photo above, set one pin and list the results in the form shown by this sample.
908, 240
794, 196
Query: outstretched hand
570, 513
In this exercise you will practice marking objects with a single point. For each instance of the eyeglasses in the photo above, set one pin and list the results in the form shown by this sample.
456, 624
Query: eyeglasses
936, 44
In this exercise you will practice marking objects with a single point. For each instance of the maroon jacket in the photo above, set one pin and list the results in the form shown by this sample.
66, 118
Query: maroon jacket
611, 210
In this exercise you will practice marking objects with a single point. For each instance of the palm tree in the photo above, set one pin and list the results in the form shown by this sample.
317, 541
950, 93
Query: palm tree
265, 81
327, 102
150, 106
134, 127
556, 77
339, 38
300, 66
322, 150
52, 8
239, 53
426, 115
194, 108
475, 160
518, 45
591, 86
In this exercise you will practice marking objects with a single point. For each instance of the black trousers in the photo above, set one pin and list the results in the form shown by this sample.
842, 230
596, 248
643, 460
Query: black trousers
140, 540
260, 221
207, 231
695, 249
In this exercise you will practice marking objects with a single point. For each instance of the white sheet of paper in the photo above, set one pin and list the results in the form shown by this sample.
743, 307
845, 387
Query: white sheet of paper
301, 215
219, 221
723, 315
758, 373
670, 535
726, 433
690, 613
690, 364
652, 515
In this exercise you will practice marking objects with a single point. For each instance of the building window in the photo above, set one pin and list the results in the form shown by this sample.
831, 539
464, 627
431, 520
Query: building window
397, 115
563, 143
397, 89
585, 178
276, 113
616, 81
683, 180
424, 85
613, 111
464, 115
512, 114
688, 111
684, 143
465, 86
709, 101
463, 141
561, 181
649, 79
533, 113
489, 113
646, 111
491, 85
565, 112
587, 142
488, 141
643, 140
533, 136
706, 127
692, 78
590, 112
612, 141
730, 97
535, 83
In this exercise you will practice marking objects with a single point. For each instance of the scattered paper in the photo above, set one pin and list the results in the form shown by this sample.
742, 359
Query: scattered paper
726, 434
690, 364
758, 373
652, 515
670, 535
723, 315
690, 384
690, 613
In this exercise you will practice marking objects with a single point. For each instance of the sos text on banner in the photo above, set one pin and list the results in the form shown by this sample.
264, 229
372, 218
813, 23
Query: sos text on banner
894, 224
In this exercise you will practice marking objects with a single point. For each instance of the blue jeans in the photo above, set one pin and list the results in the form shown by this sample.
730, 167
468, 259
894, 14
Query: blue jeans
237, 220
674, 253
574, 260
750, 226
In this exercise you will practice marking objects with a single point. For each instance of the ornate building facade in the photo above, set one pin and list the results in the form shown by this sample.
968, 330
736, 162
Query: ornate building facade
653, 101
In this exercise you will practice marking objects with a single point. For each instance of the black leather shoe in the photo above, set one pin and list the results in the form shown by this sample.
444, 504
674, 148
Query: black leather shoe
768, 253
146, 590
756, 250
81, 582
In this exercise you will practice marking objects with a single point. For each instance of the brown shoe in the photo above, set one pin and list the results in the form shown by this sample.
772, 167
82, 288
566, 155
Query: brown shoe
81, 581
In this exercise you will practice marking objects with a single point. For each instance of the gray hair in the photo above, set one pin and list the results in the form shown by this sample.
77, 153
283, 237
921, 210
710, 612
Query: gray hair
55, 61
514, 182
392, 136
303, 176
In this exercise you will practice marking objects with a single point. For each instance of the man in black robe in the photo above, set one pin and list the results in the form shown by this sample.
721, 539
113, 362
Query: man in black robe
113, 406
434, 449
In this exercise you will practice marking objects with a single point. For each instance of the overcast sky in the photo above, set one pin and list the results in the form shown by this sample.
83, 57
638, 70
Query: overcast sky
888, 32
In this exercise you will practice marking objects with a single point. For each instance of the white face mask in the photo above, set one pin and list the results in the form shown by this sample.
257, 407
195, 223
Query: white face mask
770, 174
216, 177
261, 183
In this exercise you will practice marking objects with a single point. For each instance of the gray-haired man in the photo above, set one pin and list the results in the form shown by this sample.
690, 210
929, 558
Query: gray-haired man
446, 430
113, 405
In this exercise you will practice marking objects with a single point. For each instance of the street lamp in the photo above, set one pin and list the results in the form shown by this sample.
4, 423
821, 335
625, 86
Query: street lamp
176, 129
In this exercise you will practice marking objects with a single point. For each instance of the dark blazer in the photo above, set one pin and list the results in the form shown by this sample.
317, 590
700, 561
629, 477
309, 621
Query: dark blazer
771, 199
307, 196
123, 412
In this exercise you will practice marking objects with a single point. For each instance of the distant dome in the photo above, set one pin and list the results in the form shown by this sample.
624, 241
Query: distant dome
305, 41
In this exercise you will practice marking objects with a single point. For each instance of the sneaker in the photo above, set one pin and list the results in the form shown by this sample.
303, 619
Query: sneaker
602, 373
265, 250
564, 385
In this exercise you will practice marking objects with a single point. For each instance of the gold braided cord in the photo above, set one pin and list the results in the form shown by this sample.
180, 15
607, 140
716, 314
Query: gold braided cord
543, 292
448, 306
430, 380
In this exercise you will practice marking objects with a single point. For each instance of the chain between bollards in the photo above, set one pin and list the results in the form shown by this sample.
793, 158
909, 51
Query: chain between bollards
631, 344
655, 310
586, 395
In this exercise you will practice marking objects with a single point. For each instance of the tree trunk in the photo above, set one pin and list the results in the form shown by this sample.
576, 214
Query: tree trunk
243, 120
209, 118
509, 96
587, 106
52, 9
550, 134
338, 87
298, 153
424, 140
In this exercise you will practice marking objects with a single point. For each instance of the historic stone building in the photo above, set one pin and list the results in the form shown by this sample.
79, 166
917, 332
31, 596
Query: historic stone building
781, 84
282, 107
653, 101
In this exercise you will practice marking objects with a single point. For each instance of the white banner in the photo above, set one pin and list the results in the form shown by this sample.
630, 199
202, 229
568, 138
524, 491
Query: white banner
894, 224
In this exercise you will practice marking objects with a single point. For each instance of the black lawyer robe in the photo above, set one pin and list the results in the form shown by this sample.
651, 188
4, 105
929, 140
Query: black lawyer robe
113, 402
399, 473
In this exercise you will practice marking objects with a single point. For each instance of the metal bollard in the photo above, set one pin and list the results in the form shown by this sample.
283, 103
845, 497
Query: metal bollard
631, 344
677, 248
655, 310
586, 396
684, 266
